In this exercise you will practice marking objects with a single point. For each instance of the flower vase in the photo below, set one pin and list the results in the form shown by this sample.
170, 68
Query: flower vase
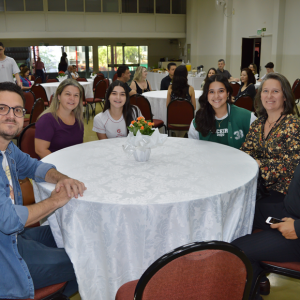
61, 78
142, 155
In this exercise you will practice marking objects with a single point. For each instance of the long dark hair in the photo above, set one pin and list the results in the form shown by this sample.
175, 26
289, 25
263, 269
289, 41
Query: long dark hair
208, 72
289, 103
129, 111
180, 81
205, 116
251, 78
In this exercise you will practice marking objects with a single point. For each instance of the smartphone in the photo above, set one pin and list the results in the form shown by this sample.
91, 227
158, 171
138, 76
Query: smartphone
271, 220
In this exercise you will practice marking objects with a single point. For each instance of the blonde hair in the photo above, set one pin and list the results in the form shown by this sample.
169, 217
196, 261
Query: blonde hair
138, 74
78, 110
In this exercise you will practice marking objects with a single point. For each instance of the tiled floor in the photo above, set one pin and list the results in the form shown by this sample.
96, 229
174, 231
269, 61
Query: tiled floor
282, 288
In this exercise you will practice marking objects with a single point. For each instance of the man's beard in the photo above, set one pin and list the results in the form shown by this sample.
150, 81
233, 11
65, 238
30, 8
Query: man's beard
9, 136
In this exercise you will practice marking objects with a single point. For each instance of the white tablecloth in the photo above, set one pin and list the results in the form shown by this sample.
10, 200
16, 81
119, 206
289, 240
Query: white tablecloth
92, 80
158, 100
132, 213
51, 88
155, 79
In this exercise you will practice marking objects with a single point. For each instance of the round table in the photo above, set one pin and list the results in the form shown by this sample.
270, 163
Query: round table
132, 213
155, 80
51, 88
158, 100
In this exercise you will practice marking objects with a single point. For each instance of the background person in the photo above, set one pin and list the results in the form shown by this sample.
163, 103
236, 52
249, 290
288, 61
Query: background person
124, 74
166, 81
40, 68
222, 71
8, 67
253, 68
61, 125
117, 114
218, 120
140, 82
25, 78
62, 66
29, 257
74, 73
274, 138
269, 68
69, 72
248, 84
211, 72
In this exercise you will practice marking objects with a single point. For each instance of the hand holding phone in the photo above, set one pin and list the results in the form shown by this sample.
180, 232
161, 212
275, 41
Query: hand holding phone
272, 220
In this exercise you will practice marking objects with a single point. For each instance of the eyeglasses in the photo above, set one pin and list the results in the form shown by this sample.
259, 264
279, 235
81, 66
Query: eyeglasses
19, 111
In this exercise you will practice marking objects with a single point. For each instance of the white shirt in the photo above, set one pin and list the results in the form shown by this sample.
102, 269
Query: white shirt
6, 169
8, 67
104, 123
194, 134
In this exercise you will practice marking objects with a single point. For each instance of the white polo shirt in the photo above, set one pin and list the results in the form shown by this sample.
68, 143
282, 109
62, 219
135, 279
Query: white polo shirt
8, 67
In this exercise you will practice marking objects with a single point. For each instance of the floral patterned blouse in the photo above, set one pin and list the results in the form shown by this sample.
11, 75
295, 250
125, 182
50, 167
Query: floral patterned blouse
279, 153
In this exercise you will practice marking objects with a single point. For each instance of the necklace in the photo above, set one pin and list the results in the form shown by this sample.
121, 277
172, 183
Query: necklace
220, 122
270, 123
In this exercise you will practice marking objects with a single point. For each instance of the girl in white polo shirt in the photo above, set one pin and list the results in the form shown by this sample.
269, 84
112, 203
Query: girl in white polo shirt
117, 113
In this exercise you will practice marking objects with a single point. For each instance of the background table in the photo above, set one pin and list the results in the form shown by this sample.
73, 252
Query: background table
51, 88
158, 100
132, 213
155, 79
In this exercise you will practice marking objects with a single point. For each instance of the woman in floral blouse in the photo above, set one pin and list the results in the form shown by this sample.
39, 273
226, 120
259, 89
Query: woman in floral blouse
274, 138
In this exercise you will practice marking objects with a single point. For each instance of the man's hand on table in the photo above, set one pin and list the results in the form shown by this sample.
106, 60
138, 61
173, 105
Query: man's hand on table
60, 197
73, 187
286, 228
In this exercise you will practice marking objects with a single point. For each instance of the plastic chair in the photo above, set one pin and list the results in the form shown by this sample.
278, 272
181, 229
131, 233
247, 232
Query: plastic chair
235, 88
38, 80
99, 97
81, 79
37, 109
26, 141
32, 78
115, 77
52, 80
200, 270
144, 105
40, 92
245, 102
180, 113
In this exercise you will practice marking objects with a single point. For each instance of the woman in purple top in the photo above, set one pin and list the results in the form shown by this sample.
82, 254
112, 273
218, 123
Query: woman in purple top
61, 125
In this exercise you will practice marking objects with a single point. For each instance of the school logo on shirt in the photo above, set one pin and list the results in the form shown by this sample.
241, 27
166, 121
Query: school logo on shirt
222, 132
119, 132
238, 134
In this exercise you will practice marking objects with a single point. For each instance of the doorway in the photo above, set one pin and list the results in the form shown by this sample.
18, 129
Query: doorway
251, 52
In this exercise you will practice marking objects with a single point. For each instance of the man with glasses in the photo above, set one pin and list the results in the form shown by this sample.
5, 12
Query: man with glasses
29, 257
8, 67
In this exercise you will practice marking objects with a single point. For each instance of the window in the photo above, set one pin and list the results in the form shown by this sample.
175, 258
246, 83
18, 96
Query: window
179, 7
1, 5
74, 5
76, 56
110, 5
93, 5
163, 6
16, 5
131, 55
102, 58
56, 5
129, 6
34, 5
146, 6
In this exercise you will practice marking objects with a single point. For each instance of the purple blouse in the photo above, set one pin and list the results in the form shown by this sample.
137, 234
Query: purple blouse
59, 134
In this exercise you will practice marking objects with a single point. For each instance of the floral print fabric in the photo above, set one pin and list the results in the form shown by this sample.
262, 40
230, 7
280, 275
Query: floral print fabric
279, 153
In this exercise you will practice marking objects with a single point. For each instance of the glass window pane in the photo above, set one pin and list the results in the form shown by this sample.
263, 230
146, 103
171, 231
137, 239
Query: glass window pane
50, 56
118, 55
76, 56
131, 55
102, 58
129, 6
74, 5
144, 56
146, 6
93, 5
34, 5
163, 7
110, 5
56, 5
179, 7
109, 54
1, 5
16, 5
